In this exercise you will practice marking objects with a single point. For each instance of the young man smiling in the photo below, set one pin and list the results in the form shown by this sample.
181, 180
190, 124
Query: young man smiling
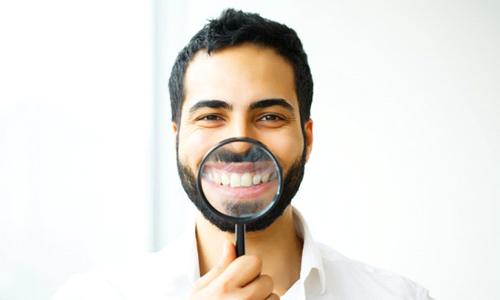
245, 76
252, 94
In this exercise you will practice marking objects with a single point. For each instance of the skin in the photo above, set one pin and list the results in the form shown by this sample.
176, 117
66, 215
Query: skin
240, 77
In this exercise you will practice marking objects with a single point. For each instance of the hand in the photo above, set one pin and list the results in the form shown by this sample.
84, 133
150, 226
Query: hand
235, 278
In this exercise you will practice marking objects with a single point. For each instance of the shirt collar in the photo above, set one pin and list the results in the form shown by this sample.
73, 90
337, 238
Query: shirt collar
312, 261
191, 248
312, 272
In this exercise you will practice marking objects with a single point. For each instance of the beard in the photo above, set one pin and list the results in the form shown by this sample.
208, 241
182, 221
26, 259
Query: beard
291, 184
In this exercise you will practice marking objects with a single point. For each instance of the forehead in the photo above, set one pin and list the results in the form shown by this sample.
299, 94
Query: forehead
239, 75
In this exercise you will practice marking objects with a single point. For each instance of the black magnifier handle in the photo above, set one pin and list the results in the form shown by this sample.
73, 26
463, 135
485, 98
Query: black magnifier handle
239, 231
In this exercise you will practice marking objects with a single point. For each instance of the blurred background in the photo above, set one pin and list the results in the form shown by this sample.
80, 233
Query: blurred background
404, 173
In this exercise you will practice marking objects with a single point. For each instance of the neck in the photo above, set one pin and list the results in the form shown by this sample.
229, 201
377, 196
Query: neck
278, 246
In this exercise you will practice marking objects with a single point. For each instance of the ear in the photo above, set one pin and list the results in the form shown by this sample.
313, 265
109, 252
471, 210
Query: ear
308, 129
174, 128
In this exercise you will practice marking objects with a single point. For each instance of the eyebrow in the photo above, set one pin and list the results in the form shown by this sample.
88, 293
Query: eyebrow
210, 104
271, 102
264, 103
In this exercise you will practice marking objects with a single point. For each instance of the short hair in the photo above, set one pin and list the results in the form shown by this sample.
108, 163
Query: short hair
233, 28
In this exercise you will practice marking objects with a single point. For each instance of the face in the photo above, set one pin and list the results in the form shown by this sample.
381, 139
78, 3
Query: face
243, 91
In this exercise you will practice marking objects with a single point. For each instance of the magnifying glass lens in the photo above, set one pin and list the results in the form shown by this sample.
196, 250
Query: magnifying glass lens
240, 179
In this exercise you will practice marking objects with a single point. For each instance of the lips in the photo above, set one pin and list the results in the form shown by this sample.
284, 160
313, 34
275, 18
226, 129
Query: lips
240, 174
240, 181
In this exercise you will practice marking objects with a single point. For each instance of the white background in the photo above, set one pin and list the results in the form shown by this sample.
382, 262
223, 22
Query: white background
404, 173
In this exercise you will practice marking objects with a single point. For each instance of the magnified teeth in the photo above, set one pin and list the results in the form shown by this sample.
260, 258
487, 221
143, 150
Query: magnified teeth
224, 179
256, 179
265, 177
235, 180
246, 180
216, 178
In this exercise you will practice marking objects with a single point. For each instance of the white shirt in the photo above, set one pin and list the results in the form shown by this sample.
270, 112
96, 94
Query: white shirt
171, 273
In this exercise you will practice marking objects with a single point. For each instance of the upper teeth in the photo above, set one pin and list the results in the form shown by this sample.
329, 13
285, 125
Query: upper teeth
246, 179
235, 180
238, 179
224, 179
256, 179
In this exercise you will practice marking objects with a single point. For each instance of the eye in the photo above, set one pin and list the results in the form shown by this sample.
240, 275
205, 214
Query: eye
209, 118
271, 117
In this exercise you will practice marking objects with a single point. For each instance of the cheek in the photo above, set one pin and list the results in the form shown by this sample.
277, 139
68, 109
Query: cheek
287, 149
194, 143
192, 147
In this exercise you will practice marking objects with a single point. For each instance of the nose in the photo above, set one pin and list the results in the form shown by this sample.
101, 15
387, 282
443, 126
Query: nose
241, 127
241, 148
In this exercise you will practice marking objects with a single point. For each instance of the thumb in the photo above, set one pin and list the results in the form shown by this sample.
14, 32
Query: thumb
228, 255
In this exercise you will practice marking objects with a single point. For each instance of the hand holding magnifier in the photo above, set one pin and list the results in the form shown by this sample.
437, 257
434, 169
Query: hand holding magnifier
241, 181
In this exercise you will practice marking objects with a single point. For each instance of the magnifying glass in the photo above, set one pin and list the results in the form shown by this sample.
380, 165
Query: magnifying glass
240, 180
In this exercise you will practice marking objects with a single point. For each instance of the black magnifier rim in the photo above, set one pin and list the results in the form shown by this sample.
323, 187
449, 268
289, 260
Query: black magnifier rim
248, 219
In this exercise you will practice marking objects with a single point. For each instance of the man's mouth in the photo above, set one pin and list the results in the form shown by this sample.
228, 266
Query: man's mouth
237, 175
240, 181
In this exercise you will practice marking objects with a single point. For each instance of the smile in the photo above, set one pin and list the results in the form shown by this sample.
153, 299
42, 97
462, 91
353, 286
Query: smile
240, 181
236, 175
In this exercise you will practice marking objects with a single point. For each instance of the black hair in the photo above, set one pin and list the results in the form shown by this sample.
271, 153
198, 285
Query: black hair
233, 28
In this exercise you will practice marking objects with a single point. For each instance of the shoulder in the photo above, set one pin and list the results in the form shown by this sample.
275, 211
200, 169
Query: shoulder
157, 275
356, 280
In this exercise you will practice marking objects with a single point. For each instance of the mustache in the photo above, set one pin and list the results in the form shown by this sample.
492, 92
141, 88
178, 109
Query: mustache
253, 154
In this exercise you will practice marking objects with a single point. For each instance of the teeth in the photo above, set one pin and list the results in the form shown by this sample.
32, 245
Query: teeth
256, 179
246, 179
216, 178
240, 180
235, 180
265, 177
224, 179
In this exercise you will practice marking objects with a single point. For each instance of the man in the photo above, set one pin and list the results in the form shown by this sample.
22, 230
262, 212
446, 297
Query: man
244, 76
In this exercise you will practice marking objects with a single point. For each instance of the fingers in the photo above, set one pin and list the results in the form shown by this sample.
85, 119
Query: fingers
238, 278
273, 297
241, 271
228, 255
260, 288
